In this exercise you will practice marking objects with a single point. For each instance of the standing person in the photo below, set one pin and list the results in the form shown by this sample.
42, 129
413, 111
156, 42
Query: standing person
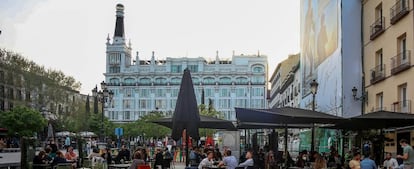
249, 160
408, 154
229, 161
158, 159
208, 161
168, 157
67, 141
390, 163
355, 162
367, 163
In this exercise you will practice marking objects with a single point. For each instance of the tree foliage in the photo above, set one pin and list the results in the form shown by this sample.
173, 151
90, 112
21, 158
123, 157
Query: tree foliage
208, 110
144, 125
23, 121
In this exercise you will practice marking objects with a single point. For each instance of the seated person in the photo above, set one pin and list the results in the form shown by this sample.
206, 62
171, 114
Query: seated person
60, 158
106, 155
124, 155
137, 160
207, 162
40, 159
249, 162
70, 155
229, 161
95, 153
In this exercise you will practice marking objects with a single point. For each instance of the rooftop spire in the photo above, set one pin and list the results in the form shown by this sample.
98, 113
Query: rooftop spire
119, 26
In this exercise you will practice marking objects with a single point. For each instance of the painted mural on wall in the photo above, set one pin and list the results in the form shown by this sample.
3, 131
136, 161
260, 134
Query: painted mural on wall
321, 52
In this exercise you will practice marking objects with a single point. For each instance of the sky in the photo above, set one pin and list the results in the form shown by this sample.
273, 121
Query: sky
70, 35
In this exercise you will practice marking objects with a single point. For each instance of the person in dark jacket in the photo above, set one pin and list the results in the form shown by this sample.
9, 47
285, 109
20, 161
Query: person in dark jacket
60, 158
158, 159
107, 155
124, 154
40, 159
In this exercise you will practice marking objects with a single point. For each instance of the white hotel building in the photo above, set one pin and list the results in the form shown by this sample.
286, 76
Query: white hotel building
142, 86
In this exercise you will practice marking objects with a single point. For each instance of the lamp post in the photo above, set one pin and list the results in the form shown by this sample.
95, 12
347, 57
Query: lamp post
102, 96
314, 89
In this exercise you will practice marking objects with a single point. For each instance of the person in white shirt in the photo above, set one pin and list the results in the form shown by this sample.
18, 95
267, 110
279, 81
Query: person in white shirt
249, 162
207, 162
390, 163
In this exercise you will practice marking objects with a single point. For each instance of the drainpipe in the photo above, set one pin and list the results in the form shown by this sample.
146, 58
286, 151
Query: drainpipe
362, 61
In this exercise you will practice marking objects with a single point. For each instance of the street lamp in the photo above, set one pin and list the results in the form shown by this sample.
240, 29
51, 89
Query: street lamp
102, 96
354, 94
314, 90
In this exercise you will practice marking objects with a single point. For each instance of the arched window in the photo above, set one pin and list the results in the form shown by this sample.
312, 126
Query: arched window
160, 81
176, 81
145, 81
208, 80
196, 81
241, 80
114, 81
258, 69
225, 80
129, 81
258, 80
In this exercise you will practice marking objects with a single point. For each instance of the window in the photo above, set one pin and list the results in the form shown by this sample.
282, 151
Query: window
241, 102
144, 92
174, 92
257, 92
129, 81
196, 81
114, 58
144, 104
127, 115
160, 93
193, 68
209, 92
160, 104
114, 81
127, 104
240, 92
241, 80
403, 94
114, 69
209, 80
176, 68
379, 59
225, 93
402, 46
224, 103
161, 81
225, 80
257, 103
145, 81
173, 102
258, 80
380, 101
378, 12
258, 69
176, 81
128, 92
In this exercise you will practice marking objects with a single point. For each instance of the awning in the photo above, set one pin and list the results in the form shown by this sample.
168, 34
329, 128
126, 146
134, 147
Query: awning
205, 122
377, 120
281, 117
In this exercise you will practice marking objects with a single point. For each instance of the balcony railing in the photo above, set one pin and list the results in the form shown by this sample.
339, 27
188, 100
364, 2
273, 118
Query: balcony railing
377, 74
377, 28
401, 62
402, 106
399, 10
379, 109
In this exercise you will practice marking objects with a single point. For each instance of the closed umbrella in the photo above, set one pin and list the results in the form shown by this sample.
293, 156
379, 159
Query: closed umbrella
186, 116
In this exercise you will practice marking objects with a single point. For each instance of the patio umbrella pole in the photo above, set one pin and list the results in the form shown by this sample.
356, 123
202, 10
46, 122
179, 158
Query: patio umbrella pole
286, 146
187, 139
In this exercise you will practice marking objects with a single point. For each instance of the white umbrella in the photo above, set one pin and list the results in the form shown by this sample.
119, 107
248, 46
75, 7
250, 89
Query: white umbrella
64, 134
87, 134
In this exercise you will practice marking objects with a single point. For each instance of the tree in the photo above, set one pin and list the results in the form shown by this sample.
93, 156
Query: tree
210, 112
144, 125
23, 121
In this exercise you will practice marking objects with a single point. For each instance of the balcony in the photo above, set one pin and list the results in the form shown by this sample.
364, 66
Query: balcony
377, 28
377, 74
399, 10
402, 106
401, 62
379, 109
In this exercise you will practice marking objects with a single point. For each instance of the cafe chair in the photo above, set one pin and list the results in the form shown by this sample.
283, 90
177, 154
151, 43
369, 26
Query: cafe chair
144, 167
